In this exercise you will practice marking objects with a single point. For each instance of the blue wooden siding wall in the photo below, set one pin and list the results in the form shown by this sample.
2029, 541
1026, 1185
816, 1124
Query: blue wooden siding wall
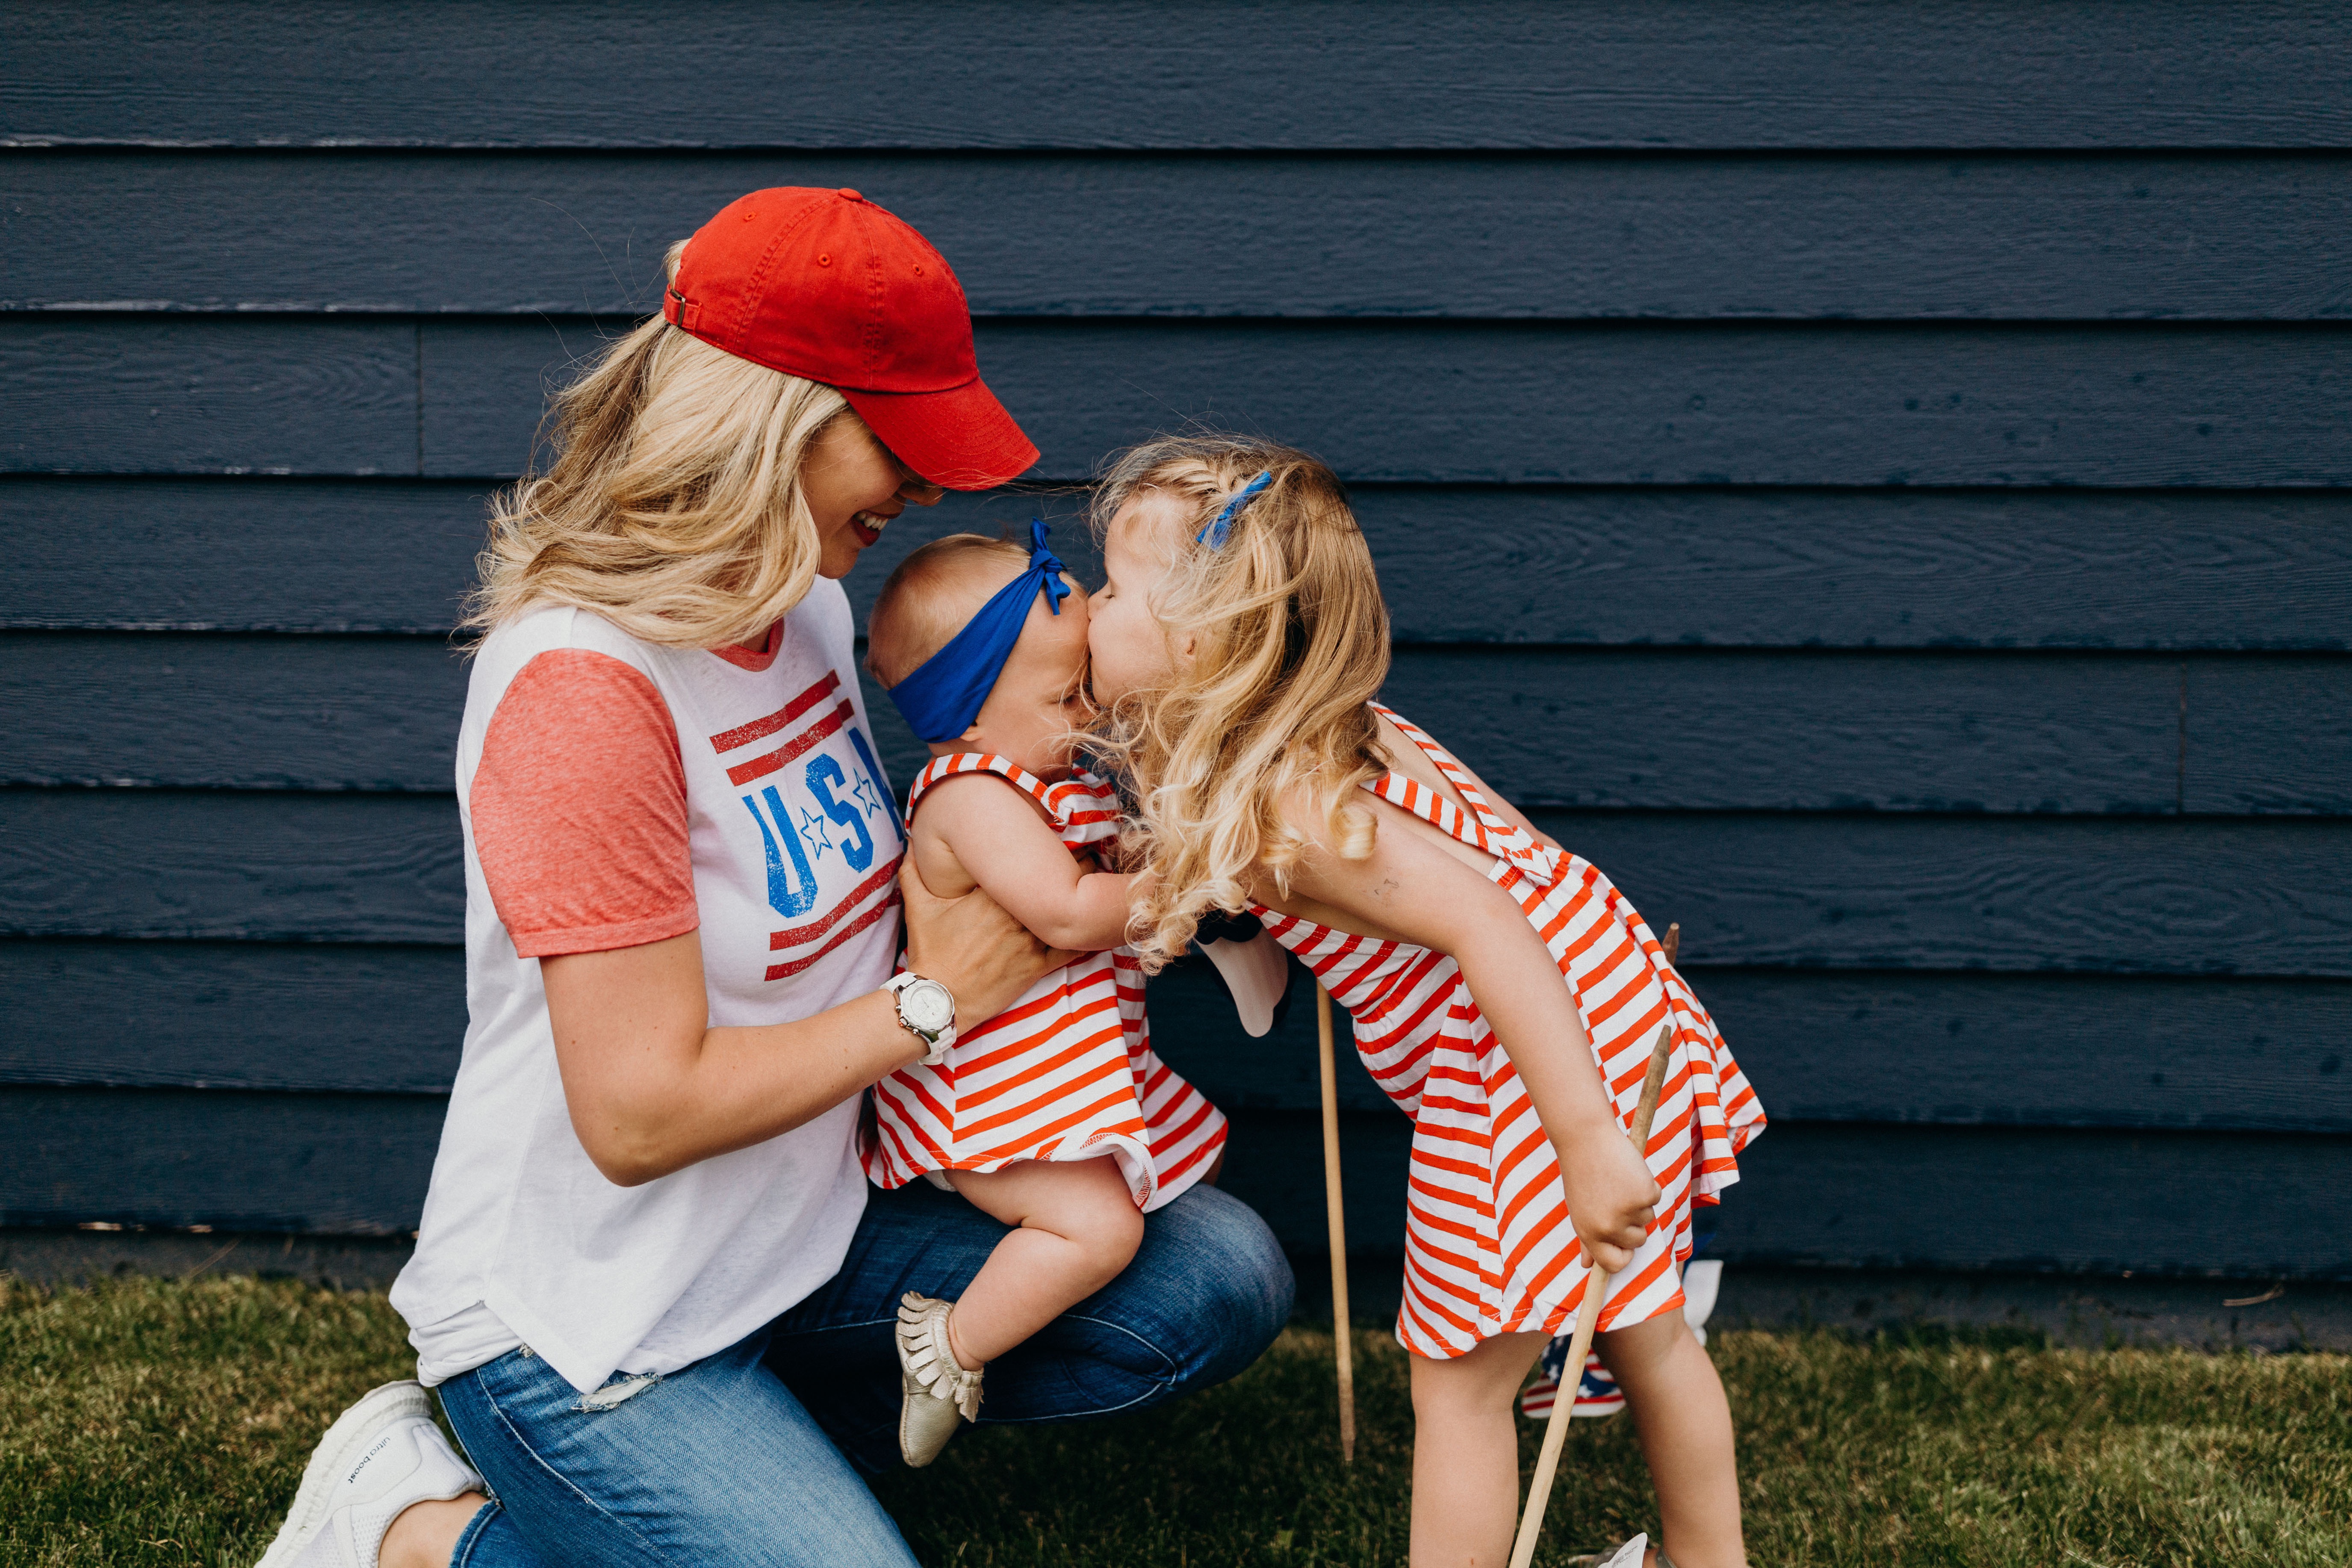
1877, 479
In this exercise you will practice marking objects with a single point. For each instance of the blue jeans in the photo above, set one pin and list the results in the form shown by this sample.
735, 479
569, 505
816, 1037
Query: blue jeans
752, 1455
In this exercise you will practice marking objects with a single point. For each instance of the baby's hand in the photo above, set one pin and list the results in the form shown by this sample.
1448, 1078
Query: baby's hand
1610, 1196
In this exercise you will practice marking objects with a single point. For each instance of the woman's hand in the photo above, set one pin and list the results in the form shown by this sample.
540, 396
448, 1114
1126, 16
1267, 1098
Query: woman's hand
983, 955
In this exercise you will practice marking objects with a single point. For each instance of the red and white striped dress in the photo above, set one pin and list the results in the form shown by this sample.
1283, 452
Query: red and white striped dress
1489, 1247
1066, 1072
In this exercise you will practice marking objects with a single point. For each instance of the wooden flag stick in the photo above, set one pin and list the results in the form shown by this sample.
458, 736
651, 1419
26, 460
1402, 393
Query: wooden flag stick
1571, 1372
1338, 1220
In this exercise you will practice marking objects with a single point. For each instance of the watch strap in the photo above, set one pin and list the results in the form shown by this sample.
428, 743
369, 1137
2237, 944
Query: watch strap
935, 1046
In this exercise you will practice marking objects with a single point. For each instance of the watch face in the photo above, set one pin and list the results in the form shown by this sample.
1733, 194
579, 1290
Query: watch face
928, 1006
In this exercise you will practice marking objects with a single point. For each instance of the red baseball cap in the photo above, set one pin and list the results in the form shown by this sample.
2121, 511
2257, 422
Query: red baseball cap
827, 286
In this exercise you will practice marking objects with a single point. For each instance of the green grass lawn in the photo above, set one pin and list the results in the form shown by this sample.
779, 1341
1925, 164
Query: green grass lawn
166, 1423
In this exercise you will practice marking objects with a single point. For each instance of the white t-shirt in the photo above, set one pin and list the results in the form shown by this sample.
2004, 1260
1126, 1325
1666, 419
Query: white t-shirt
615, 793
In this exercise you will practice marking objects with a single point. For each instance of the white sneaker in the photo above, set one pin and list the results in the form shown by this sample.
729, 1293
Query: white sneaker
1701, 1281
936, 1392
1629, 1554
380, 1456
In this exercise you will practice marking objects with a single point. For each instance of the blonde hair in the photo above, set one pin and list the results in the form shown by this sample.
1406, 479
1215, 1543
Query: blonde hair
1289, 640
674, 507
930, 596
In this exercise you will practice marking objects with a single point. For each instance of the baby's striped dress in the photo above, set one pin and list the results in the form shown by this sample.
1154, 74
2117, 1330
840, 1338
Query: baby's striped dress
1066, 1072
1489, 1247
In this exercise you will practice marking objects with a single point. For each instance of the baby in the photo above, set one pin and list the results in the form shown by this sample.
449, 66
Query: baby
1053, 1117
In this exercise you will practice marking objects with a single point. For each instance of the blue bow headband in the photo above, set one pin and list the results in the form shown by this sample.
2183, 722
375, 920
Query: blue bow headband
1219, 531
942, 697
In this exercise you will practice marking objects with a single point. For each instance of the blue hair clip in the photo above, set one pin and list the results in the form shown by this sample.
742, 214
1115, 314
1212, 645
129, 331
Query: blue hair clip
1217, 532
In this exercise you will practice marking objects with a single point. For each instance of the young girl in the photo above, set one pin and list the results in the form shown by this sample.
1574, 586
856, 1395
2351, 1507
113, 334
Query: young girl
1238, 643
1053, 1117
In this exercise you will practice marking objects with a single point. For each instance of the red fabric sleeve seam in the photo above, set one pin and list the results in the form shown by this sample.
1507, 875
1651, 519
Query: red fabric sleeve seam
606, 938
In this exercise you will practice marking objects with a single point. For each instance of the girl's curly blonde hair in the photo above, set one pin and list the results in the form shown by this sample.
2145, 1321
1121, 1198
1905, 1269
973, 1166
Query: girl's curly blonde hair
673, 508
1289, 640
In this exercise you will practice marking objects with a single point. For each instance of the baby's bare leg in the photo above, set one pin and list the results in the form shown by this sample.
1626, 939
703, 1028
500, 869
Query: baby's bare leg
1465, 1452
1078, 1227
1685, 1424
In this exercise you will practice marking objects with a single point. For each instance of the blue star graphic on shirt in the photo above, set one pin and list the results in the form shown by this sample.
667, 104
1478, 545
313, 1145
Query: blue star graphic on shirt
869, 799
813, 830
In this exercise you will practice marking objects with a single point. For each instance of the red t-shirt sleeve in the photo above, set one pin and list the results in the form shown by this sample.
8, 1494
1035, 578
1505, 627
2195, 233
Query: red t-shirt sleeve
578, 808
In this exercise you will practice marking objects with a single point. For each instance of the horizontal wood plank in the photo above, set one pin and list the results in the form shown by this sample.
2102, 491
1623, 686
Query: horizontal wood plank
1603, 402
1905, 731
2191, 1203
230, 1015
334, 1164
1005, 74
250, 867
1948, 1049
1864, 568
178, 394
2120, 406
2267, 735
2249, 1205
1791, 731
2030, 1049
1996, 236
1553, 564
211, 710
275, 554
2246, 897
1659, 728
1995, 893
1944, 1049
2243, 1205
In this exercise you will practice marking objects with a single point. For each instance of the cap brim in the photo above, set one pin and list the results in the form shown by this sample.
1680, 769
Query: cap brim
962, 438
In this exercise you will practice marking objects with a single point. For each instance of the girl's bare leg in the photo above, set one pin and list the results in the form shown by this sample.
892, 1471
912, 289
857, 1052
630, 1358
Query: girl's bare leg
1684, 1425
1465, 1452
1078, 1226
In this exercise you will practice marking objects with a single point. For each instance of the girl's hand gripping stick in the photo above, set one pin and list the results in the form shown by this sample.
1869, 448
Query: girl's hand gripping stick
1523, 1550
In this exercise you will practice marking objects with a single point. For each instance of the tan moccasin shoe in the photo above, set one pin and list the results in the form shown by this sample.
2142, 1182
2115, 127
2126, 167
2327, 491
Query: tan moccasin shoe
938, 1393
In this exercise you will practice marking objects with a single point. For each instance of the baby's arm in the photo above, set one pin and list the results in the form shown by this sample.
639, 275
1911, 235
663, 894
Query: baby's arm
1015, 857
1412, 889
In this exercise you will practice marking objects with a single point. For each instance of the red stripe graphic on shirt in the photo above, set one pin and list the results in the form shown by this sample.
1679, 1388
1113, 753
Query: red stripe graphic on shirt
761, 729
762, 766
801, 936
786, 971
861, 901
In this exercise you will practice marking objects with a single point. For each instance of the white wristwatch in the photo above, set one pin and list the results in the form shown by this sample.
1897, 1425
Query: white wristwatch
927, 1011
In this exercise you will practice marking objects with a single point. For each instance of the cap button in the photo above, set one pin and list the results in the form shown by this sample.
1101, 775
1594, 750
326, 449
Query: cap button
851, 194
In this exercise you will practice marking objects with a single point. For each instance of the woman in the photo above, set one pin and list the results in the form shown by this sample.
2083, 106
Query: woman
651, 1286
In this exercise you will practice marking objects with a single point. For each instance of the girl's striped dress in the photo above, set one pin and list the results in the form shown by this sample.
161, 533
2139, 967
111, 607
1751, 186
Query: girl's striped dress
1066, 1072
1489, 1248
